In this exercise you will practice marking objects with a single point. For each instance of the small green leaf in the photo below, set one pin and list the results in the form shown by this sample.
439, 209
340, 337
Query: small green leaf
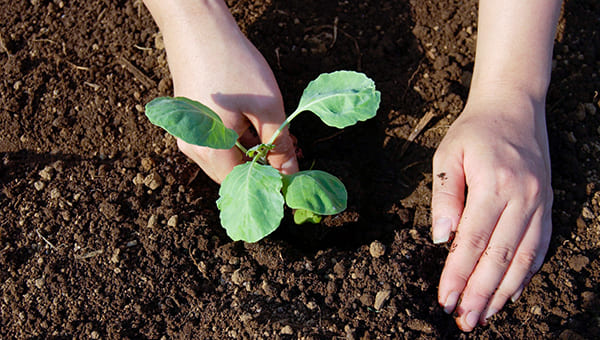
302, 216
251, 202
341, 98
190, 121
315, 191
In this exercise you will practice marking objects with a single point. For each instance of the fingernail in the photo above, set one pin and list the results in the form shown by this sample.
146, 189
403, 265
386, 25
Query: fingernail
489, 313
472, 318
450, 303
516, 295
441, 230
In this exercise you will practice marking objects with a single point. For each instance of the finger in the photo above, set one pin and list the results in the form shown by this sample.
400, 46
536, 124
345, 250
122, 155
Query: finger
448, 196
283, 156
526, 262
492, 265
479, 218
216, 163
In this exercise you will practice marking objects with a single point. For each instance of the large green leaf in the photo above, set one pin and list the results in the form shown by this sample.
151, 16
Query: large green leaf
191, 121
315, 191
251, 202
341, 98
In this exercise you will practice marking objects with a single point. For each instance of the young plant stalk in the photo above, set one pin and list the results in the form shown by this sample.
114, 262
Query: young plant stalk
252, 196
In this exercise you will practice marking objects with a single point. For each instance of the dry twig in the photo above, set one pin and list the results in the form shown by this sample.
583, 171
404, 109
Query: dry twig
88, 255
416, 131
139, 75
45, 239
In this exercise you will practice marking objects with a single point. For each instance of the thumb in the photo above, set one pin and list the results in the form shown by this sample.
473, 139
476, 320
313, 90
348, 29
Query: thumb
448, 197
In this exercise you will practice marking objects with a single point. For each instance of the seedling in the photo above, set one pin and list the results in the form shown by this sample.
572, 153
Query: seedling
252, 196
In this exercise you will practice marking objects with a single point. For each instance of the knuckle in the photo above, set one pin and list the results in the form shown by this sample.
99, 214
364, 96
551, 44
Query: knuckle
501, 255
505, 178
478, 292
526, 258
461, 275
534, 189
477, 240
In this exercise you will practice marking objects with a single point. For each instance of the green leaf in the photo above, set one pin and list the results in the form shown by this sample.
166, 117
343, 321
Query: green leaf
190, 121
251, 202
315, 191
341, 98
302, 216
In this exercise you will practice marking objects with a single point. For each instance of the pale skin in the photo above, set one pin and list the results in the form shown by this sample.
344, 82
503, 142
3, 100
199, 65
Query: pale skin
497, 148
211, 61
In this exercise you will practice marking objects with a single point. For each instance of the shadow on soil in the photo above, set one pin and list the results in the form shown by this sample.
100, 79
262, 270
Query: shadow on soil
300, 45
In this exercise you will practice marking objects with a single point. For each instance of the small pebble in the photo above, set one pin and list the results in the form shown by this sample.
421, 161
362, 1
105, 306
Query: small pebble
173, 221
287, 330
139, 179
377, 249
153, 181
367, 299
237, 277
152, 221
350, 332
55, 193
147, 162
39, 185
46, 173
381, 298
587, 213
115, 257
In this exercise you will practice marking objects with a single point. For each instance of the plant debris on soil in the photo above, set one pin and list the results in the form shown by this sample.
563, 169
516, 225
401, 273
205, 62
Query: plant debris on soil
108, 232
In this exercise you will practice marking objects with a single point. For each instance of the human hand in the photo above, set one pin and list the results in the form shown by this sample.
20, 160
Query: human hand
498, 149
211, 61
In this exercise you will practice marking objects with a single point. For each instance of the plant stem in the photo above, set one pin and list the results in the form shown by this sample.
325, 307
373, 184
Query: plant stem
286, 123
241, 147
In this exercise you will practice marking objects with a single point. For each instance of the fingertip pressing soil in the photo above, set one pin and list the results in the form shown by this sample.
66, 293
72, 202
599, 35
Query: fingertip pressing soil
108, 232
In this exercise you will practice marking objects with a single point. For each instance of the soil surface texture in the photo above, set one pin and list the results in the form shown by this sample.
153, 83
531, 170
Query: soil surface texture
108, 232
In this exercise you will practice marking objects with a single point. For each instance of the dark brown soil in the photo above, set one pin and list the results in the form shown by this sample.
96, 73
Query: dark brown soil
89, 250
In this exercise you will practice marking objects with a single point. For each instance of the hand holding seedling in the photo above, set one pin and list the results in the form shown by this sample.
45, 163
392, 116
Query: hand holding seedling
252, 195
211, 61
498, 150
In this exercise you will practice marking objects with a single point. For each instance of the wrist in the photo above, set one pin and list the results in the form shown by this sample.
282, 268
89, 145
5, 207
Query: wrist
507, 100
512, 83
